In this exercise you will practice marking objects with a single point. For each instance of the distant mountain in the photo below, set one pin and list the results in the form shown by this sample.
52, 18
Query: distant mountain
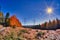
15, 22
32, 26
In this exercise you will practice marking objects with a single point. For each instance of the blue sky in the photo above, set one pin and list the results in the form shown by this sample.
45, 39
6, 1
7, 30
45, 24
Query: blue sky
29, 10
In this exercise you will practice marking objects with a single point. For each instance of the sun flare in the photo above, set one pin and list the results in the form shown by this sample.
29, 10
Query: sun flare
49, 10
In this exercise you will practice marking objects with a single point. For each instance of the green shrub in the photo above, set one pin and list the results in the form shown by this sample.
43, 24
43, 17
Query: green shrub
40, 34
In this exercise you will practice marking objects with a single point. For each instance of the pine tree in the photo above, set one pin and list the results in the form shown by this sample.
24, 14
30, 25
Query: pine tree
45, 25
49, 23
7, 19
58, 21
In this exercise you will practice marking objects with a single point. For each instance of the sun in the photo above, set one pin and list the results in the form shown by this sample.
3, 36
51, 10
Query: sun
49, 10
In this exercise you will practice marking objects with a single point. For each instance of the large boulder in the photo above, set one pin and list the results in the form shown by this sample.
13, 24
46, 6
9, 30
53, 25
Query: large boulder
15, 22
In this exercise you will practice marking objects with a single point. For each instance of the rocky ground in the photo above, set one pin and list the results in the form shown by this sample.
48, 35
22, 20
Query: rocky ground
19, 33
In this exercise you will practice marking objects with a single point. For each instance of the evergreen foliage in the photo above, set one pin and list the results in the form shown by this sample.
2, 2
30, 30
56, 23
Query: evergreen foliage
7, 19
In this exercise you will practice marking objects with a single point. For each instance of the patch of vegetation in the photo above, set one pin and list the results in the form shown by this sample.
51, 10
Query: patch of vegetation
14, 26
23, 31
12, 36
40, 34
